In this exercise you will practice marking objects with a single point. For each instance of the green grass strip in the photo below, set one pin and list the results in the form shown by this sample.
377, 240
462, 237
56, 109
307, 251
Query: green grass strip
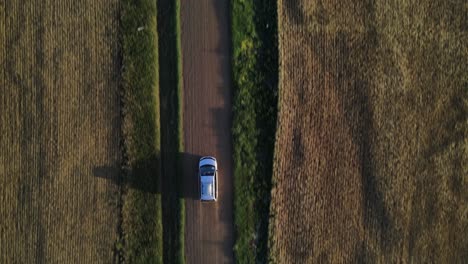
255, 81
244, 131
181, 248
142, 209
172, 130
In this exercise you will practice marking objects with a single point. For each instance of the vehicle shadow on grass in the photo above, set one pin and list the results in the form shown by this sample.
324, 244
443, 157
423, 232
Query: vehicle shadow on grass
143, 175
173, 175
190, 183
146, 175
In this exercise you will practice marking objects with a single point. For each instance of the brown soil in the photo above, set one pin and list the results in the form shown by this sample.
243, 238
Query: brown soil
59, 125
207, 126
318, 162
370, 156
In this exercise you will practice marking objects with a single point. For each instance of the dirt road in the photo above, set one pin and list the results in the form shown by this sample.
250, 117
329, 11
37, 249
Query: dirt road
207, 126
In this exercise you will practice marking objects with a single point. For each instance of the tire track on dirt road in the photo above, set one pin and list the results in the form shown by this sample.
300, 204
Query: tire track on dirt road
207, 127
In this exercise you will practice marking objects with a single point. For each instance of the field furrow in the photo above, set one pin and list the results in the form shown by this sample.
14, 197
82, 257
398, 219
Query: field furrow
370, 157
60, 130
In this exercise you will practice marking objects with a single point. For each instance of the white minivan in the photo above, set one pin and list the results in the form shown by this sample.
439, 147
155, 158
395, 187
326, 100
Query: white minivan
208, 175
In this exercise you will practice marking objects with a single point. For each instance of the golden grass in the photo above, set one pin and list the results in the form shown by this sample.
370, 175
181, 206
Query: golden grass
59, 123
371, 152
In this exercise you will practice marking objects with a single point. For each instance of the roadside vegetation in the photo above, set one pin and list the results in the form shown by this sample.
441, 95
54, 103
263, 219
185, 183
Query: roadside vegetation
171, 130
370, 158
255, 69
142, 229
153, 211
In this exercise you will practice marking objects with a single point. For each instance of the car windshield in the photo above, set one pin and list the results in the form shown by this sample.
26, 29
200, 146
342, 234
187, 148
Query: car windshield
207, 170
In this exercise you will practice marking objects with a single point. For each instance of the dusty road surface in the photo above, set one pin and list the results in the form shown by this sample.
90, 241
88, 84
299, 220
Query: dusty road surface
207, 125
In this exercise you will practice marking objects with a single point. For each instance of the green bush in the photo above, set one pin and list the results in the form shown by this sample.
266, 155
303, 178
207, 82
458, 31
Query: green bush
254, 122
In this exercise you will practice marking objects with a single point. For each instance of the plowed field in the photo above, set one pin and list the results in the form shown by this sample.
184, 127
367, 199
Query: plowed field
370, 157
59, 131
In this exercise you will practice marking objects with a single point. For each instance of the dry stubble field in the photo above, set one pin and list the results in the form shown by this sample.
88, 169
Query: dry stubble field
371, 158
59, 131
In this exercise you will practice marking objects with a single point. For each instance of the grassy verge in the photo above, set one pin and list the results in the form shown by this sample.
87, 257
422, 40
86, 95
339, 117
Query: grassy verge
171, 129
142, 210
255, 67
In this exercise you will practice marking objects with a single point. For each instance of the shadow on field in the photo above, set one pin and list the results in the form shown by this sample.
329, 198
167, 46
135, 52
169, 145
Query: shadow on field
175, 178
143, 176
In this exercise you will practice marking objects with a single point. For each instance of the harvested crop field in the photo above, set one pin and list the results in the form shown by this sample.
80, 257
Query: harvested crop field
59, 131
371, 158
